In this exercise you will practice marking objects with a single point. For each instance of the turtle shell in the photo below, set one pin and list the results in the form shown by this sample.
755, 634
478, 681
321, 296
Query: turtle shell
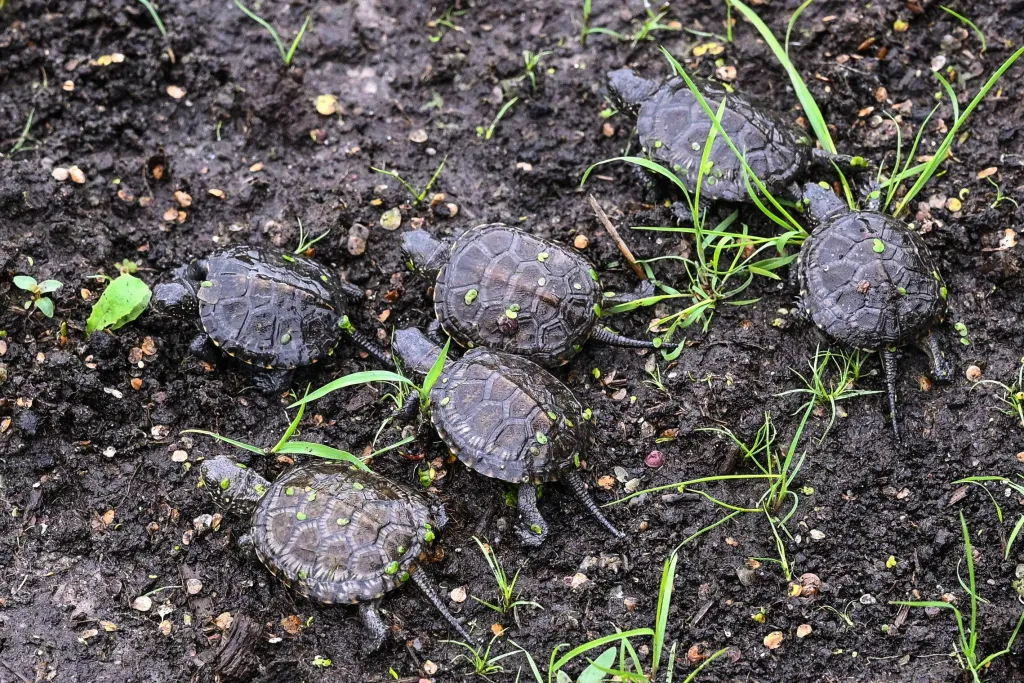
506, 417
507, 290
868, 281
268, 309
336, 534
673, 129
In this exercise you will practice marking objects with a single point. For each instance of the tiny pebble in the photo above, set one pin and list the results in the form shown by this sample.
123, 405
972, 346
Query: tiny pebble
419, 135
974, 373
429, 668
175, 92
524, 167
76, 175
458, 594
581, 241
68, 86
867, 599
142, 603
179, 456
59, 174
773, 640
654, 459
817, 535
608, 130
193, 586
803, 630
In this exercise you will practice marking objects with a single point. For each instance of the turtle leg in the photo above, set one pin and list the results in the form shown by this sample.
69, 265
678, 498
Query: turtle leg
643, 290
532, 528
410, 409
434, 332
942, 368
579, 489
352, 292
369, 612
606, 336
889, 365
272, 381
844, 161
202, 348
427, 587
363, 341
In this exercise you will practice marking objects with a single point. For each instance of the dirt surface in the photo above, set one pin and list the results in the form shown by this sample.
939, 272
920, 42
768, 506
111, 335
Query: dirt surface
95, 512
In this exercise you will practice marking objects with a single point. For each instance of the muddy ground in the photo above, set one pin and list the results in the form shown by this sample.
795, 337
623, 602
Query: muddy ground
96, 512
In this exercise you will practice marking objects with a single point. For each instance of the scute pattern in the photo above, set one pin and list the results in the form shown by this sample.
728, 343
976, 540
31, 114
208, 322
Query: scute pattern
552, 287
297, 534
868, 281
269, 310
489, 408
674, 128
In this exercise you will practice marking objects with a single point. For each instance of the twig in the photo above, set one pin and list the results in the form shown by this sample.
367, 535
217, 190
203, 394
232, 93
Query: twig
603, 217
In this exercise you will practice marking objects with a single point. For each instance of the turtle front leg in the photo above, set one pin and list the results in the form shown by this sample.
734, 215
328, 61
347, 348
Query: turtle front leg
203, 349
367, 344
410, 409
889, 365
942, 367
843, 161
643, 290
434, 332
427, 587
272, 381
369, 612
352, 292
579, 489
532, 528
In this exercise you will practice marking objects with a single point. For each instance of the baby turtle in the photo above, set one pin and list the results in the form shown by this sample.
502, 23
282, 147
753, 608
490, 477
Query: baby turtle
673, 129
335, 534
506, 417
273, 311
507, 290
868, 281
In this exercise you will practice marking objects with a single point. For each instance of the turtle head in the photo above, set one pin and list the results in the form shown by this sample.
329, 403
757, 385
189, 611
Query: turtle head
423, 253
416, 352
628, 90
234, 484
178, 297
822, 203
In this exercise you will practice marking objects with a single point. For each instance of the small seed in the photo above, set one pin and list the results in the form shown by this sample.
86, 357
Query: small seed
974, 373
175, 92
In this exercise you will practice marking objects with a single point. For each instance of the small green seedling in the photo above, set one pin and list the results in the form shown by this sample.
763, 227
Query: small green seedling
321, 662
124, 300
25, 136
417, 195
446, 20
160, 25
483, 663
488, 133
305, 241
965, 650
532, 59
39, 291
286, 54
1000, 197
1010, 486
968, 22
506, 587
1013, 395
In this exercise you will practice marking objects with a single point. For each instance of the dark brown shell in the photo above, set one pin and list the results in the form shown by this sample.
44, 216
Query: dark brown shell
270, 310
336, 534
507, 290
508, 418
868, 281
673, 129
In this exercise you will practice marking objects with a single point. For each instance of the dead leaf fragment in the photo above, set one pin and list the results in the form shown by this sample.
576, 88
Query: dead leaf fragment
773, 640
291, 624
985, 173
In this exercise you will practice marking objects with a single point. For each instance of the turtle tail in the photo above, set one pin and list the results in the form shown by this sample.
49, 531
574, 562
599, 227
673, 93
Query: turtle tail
606, 336
889, 365
367, 344
426, 585
579, 489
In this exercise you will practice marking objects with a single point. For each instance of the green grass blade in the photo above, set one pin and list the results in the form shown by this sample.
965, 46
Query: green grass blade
814, 115
792, 21
696, 672
668, 577
596, 671
596, 643
969, 554
501, 114
156, 17
397, 444
435, 370
1013, 537
355, 378
236, 444
322, 451
651, 166
940, 155
266, 25
298, 39
981, 36
290, 432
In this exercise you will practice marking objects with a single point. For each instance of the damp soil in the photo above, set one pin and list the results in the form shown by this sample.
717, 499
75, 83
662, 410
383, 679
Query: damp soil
95, 511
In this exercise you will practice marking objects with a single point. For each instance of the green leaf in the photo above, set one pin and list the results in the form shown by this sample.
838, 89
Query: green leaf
122, 301
26, 282
45, 306
596, 671
47, 286
322, 451
435, 370
236, 444
352, 380
878, 246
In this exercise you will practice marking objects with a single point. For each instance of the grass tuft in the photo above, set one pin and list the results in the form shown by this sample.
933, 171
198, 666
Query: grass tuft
286, 53
417, 195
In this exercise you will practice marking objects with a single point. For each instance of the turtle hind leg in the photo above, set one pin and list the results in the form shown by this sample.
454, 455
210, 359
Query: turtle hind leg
351, 292
427, 587
942, 368
272, 381
612, 339
202, 348
889, 365
532, 528
579, 489
369, 612
643, 290
363, 341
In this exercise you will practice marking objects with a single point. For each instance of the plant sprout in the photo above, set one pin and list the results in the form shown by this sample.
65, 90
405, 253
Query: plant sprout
39, 291
286, 53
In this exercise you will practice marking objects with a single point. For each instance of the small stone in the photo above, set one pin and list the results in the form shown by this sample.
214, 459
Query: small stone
453, 209
458, 594
184, 199
327, 105
143, 603
773, 640
136, 383
726, 73
817, 535
747, 577
60, 174
171, 215
257, 167
581, 241
654, 459
76, 175
810, 585
391, 219
524, 167
607, 130
357, 235
803, 630
1020, 457
68, 86
224, 621
429, 668
419, 136
973, 373
175, 92
881, 95
179, 456
577, 580
193, 586
868, 599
